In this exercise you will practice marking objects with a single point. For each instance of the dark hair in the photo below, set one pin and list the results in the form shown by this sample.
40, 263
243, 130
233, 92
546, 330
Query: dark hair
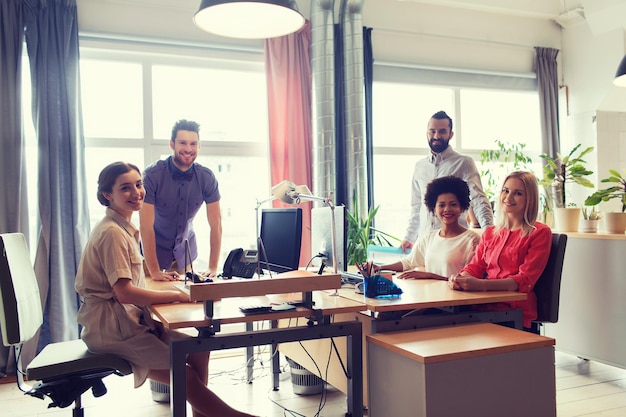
109, 175
184, 124
441, 115
443, 185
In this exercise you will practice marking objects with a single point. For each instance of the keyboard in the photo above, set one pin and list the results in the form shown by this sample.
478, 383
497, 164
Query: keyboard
255, 309
351, 277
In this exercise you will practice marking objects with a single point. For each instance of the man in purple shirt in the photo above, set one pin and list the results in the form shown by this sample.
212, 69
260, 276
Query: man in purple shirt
175, 190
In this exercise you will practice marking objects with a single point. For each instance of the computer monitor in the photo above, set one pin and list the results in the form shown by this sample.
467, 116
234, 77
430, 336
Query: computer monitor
321, 236
281, 239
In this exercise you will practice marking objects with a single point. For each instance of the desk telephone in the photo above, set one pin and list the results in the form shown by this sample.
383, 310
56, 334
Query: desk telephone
241, 263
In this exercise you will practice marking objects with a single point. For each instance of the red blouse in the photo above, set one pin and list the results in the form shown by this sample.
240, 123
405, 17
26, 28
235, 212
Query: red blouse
507, 254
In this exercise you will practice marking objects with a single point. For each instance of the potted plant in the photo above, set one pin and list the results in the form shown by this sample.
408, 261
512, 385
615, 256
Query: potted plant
496, 163
590, 220
614, 222
559, 171
362, 233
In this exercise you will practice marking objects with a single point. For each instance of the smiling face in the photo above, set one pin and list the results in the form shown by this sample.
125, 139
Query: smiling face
513, 198
185, 146
127, 193
438, 134
448, 208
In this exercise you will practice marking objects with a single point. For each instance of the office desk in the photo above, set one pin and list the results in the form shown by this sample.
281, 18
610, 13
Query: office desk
417, 294
427, 293
430, 293
174, 316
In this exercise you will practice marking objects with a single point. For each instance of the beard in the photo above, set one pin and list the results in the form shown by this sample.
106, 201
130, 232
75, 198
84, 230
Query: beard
438, 147
178, 160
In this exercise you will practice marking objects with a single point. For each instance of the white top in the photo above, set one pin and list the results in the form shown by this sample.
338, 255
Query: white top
448, 162
441, 255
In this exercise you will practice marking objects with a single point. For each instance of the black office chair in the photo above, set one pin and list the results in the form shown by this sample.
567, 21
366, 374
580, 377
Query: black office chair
63, 371
548, 287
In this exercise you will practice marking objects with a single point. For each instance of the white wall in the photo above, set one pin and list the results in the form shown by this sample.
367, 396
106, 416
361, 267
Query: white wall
597, 108
432, 35
404, 31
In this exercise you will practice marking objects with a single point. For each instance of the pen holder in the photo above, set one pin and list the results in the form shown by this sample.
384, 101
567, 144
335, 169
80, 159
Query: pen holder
380, 287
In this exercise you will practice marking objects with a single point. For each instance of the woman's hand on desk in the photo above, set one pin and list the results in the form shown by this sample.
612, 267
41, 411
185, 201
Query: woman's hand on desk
466, 283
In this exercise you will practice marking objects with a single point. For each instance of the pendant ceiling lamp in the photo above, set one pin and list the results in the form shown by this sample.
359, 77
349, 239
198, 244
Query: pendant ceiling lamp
620, 75
249, 19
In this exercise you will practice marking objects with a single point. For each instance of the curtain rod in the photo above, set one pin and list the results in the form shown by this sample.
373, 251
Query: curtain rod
392, 64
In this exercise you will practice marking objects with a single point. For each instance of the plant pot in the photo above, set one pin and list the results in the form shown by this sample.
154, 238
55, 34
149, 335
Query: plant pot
566, 219
588, 226
615, 223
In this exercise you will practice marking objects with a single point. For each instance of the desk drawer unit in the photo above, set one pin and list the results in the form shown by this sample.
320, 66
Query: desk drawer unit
481, 369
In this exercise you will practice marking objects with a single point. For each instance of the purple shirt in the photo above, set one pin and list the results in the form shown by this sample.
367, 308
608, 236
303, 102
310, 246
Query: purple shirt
177, 197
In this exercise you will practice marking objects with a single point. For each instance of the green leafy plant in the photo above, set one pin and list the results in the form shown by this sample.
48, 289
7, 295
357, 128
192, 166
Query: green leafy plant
616, 191
565, 169
361, 234
591, 213
506, 155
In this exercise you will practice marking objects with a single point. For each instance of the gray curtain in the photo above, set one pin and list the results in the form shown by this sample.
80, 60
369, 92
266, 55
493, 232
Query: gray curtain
13, 208
52, 44
548, 86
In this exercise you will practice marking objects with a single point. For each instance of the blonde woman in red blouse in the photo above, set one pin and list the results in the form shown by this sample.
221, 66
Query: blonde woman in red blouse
512, 254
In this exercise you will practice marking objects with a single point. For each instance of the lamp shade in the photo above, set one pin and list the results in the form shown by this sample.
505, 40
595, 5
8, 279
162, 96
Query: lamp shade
620, 75
249, 19
285, 191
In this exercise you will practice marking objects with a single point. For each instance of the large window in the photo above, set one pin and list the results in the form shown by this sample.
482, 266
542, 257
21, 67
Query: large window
131, 101
484, 110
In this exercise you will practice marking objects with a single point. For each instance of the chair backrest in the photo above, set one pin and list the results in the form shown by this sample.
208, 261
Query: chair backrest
20, 304
548, 287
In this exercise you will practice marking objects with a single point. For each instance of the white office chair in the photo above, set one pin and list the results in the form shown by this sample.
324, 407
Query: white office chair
62, 371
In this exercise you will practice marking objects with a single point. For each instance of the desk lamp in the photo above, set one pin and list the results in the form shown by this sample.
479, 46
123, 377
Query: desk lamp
287, 192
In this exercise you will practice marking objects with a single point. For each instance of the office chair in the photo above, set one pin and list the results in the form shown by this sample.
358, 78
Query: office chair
548, 286
63, 371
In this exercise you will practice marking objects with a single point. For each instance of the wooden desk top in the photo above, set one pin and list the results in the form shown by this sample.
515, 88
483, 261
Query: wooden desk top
181, 315
427, 293
439, 344
286, 282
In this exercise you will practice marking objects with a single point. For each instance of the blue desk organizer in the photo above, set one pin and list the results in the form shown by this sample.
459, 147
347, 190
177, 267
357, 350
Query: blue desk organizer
380, 287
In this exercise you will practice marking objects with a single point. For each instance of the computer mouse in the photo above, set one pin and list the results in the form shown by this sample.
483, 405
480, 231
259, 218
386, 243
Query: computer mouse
358, 288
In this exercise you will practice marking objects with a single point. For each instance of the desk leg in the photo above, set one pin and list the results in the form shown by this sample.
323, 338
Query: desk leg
249, 355
353, 330
354, 345
178, 380
275, 361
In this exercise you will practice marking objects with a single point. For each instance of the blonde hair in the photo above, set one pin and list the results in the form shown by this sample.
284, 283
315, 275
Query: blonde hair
531, 189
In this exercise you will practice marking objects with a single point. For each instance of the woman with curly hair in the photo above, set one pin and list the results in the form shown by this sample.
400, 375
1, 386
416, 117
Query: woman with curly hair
441, 252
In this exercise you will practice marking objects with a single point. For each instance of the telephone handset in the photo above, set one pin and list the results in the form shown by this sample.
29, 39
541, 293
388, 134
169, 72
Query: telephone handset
240, 263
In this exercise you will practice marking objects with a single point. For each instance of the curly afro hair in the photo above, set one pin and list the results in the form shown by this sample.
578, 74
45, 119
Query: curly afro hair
443, 185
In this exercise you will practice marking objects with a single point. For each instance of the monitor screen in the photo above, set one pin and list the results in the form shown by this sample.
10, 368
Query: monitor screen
321, 242
281, 239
